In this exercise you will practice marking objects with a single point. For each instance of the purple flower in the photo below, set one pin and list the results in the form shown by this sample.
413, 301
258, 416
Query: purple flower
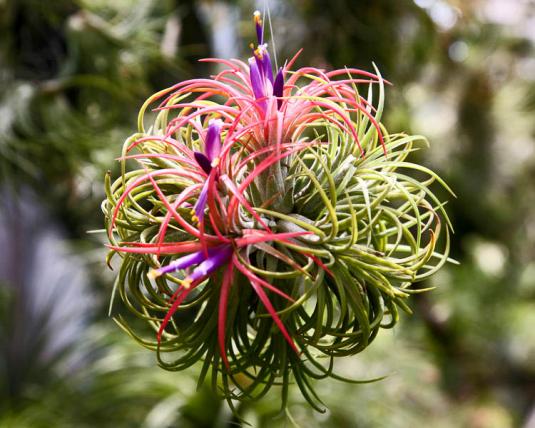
258, 25
278, 87
216, 257
203, 161
212, 147
261, 71
200, 205
178, 264
257, 80
207, 161
263, 60
207, 262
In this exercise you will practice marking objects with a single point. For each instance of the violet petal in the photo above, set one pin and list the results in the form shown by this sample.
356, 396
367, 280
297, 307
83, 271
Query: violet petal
182, 263
200, 205
203, 162
256, 80
259, 29
266, 63
278, 87
216, 257
212, 144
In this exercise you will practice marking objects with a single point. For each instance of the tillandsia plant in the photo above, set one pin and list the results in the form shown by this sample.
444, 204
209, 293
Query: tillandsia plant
271, 224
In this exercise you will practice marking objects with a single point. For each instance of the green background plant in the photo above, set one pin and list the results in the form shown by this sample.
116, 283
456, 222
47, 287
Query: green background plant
72, 77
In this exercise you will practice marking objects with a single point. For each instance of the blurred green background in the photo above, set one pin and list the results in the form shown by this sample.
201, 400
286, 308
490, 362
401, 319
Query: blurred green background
73, 74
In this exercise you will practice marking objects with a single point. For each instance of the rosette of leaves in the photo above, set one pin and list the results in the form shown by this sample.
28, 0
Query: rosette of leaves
268, 223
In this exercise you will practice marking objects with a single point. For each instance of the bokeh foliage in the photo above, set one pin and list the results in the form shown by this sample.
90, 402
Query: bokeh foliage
73, 74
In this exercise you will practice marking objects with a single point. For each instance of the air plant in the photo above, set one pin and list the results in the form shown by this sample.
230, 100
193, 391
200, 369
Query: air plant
272, 223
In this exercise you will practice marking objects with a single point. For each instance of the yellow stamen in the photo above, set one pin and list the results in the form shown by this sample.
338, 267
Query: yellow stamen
257, 17
186, 283
194, 217
153, 274
215, 162
258, 53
